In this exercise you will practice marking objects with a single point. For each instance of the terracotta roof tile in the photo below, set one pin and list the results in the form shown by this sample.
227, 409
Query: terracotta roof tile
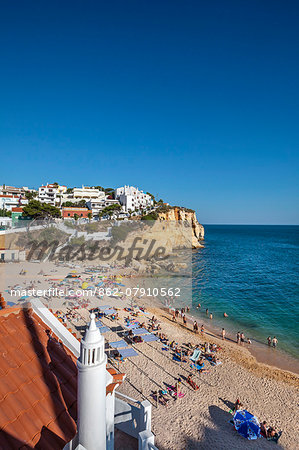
38, 385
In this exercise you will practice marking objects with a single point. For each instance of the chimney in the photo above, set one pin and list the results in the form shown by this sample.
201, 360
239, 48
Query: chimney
2, 301
92, 389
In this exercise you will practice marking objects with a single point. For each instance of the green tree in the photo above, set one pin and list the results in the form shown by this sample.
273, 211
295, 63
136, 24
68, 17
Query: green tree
100, 188
89, 215
110, 210
76, 217
151, 195
38, 210
5, 213
30, 195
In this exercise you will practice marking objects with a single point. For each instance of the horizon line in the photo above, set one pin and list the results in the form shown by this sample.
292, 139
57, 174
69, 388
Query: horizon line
256, 224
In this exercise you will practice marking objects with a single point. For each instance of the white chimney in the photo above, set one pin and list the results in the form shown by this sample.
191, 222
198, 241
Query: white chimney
92, 389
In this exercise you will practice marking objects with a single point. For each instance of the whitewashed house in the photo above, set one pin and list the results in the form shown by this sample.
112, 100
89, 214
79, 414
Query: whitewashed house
133, 199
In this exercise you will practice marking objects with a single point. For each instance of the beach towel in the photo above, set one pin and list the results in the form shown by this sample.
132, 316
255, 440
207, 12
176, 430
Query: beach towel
178, 358
197, 366
216, 363
172, 389
196, 355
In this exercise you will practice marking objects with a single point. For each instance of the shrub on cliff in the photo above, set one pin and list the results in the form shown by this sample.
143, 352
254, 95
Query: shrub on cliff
150, 216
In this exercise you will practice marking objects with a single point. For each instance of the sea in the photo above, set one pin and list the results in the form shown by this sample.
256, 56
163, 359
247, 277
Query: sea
251, 273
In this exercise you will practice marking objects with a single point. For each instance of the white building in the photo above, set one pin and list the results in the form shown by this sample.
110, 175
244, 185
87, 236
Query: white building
51, 193
9, 255
132, 198
10, 201
12, 190
97, 205
84, 193
48, 193
88, 193
5, 222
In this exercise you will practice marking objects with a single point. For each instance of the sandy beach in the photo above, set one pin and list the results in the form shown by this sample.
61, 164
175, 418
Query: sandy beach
201, 418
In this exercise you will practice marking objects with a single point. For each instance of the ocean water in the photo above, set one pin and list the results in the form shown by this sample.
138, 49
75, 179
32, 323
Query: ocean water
251, 273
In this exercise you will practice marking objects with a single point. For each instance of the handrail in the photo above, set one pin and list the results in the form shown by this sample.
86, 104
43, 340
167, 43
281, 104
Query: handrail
152, 446
128, 398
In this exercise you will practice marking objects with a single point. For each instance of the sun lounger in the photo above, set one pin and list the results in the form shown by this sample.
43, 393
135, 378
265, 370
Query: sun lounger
150, 338
131, 326
108, 312
128, 352
140, 331
104, 329
118, 344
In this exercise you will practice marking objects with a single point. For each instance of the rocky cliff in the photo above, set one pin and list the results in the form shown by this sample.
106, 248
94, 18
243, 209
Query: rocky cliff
184, 216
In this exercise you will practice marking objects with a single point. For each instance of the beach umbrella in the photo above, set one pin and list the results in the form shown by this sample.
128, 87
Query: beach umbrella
84, 285
247, 425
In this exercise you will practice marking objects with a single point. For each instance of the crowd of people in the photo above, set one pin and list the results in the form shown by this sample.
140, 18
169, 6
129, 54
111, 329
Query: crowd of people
240, 335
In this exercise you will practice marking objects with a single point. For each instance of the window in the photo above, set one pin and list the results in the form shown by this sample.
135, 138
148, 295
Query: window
12, 256
2, 256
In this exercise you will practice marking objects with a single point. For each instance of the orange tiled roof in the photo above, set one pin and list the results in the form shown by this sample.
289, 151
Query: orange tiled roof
16, 209
38, 384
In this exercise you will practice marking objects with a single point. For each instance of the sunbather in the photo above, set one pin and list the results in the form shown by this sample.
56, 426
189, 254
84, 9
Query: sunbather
263, 426
238, 405
273, 435
192, 382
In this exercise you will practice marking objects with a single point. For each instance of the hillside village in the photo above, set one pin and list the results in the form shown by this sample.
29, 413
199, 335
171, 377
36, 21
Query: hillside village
84, 203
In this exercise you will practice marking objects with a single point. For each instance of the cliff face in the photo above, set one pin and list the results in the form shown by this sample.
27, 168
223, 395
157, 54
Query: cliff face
182, 215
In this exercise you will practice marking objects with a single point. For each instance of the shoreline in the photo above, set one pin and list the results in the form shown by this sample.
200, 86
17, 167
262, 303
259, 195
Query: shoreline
249, 359
274, 357
201, 418
261, 354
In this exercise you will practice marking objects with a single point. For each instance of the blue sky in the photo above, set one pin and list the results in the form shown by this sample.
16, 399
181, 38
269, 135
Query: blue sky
196, 102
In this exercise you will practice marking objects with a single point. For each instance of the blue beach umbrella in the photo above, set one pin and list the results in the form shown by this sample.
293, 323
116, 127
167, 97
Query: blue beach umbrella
23, 298
247, 425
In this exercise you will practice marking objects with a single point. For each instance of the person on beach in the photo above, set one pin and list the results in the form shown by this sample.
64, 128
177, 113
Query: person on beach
274, 342
225, 315
238, 337
223, 334
199, 305
195, 327
242, 336
263, 426
191, 382
238, 405
187, 309
211, 316
269, 340
173, 316
202, 330
207, 311
184, 320
273, 435
249, 341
